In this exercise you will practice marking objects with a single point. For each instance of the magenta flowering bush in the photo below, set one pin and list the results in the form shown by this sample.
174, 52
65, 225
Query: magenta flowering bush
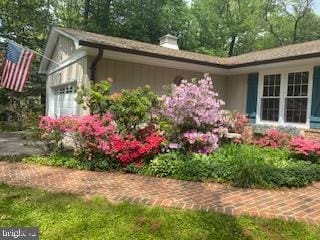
308, 148
98, 135
193, 110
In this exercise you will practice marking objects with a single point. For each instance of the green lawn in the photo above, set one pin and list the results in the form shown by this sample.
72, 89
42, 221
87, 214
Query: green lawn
65, 216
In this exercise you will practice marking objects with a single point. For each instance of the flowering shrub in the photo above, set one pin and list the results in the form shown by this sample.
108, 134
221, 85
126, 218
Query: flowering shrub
200, 142
130, 107
94, 135
236, 123
88, 133
127, 149
193, 111
308, 148
273, 138
50, 133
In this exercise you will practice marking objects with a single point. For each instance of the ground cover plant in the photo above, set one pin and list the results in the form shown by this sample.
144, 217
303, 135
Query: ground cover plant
241, 165
66, 216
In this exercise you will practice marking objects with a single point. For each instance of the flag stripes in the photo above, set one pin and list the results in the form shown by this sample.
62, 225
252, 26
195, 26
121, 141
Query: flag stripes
16, 69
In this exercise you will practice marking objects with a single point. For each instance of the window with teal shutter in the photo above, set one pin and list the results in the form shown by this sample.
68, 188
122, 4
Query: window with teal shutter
315, 106
252, 96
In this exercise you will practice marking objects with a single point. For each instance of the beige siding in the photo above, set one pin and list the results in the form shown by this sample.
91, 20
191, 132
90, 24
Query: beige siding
236, 92
63, 50
75, 73
126, 75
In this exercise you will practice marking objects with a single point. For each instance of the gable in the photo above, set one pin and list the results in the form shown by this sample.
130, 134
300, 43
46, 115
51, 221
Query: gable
64, 48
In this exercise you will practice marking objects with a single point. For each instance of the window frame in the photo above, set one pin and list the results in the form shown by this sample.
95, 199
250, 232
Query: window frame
283, 95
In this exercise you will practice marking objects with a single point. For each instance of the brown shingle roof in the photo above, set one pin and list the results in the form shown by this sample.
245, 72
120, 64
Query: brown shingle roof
290, 52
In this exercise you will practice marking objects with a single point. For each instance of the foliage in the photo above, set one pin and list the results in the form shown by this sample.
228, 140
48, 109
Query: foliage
308, 149
236, 123
68, 160
96, 98
241, 165
130, 107
95, 136
248, 168
50, 134
274, 138
192, 109
133, 107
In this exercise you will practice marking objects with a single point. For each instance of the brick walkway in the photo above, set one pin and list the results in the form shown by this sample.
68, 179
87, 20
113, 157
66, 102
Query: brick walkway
298, 204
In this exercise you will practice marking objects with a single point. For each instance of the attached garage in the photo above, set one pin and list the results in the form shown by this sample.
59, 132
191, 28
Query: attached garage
64, 102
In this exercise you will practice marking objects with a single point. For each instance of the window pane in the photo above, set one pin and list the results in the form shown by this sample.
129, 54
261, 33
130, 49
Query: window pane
304, 90
277, 79
296, 109
305, 77
270, 109
297, 78
265, 91
291, 78
272, 78
298, 84
277, 91
297, 90
290, 90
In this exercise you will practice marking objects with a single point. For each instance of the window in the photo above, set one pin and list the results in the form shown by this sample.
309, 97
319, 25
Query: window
270, 103
284, 98
297, 97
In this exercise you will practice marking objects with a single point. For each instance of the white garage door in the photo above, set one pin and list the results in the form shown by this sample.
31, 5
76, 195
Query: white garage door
64, 101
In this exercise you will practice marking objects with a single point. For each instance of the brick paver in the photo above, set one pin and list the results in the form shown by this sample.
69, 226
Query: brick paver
298, 204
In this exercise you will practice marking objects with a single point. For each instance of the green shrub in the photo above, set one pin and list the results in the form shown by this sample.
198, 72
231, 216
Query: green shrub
67, 160
133, 107
241, 165
165, 165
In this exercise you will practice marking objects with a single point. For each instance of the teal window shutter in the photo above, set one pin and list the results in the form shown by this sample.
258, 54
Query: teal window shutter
252, 96
315, 105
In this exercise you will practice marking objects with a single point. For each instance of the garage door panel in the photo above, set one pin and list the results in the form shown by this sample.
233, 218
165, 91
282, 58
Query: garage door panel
64, 101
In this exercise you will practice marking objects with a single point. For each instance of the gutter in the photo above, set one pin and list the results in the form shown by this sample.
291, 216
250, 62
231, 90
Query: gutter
198, 62
94, 65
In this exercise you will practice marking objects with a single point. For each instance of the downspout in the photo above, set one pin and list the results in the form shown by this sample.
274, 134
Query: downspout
94, 65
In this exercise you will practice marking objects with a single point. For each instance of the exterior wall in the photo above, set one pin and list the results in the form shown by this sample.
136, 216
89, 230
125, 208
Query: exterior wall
75, 73
236, 92
64, 48
128, 75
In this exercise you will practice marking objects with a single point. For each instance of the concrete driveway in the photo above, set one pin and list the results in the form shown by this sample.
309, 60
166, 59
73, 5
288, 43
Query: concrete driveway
14, 144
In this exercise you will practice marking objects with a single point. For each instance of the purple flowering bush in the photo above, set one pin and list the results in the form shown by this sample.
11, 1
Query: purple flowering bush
193, 110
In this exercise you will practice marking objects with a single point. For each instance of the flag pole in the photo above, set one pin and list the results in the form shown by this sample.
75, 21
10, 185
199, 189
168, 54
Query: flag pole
21, 46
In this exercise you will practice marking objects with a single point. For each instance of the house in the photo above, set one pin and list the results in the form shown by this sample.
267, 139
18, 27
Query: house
279, 87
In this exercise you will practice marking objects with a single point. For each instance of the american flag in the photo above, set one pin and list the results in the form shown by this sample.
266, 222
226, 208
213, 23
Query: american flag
17, 65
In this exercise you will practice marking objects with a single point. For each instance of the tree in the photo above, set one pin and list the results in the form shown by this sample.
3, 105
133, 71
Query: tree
18, 24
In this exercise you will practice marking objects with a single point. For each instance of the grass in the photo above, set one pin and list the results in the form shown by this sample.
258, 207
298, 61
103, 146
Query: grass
65, 216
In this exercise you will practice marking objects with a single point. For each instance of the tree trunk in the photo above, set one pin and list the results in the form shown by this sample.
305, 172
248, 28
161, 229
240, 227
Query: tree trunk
231, 47
86, 13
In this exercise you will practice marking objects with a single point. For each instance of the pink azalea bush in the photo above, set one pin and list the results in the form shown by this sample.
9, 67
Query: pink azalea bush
192, 108
274, 139
98, 134
305, 147
236, 122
